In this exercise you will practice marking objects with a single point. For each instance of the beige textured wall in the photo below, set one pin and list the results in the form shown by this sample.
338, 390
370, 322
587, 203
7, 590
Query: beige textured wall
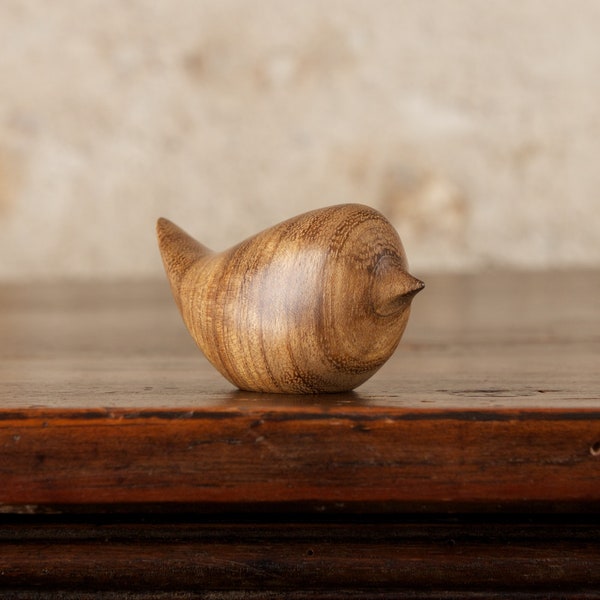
473, 124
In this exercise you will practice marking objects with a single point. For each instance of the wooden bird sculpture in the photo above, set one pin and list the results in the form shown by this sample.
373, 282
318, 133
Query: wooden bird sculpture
315, 304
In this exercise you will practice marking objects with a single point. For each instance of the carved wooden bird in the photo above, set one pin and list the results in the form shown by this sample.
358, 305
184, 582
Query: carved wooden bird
314, 304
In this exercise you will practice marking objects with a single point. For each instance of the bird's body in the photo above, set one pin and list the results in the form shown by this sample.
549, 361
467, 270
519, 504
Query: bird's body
315, 304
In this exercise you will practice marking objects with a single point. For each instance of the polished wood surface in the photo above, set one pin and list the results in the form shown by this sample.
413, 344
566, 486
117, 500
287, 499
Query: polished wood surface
468, 467
493, 398
314, 304
498, 340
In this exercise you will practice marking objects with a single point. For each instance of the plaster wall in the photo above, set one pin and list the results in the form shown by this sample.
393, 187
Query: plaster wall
473, 125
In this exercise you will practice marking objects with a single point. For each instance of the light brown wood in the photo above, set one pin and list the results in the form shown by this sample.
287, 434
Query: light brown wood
315, 304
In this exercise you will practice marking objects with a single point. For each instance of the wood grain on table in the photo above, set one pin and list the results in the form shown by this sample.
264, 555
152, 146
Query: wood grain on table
468, 467
493, 398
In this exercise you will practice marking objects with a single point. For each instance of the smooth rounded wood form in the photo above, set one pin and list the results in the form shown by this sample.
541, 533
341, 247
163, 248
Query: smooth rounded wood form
315, 304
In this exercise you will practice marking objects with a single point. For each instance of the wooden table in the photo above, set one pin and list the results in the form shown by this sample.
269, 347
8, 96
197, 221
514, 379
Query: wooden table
469, 466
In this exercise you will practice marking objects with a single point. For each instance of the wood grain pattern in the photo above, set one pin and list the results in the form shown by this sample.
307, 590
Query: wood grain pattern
105, 400
467, 468
315, 304
322, 560
382, 458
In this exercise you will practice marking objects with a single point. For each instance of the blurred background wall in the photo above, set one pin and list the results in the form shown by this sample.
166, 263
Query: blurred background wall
474, 125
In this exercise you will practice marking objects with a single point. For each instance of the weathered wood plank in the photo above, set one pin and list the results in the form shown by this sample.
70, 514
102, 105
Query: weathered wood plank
493, 398
334, 454
512, 340
395, 558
